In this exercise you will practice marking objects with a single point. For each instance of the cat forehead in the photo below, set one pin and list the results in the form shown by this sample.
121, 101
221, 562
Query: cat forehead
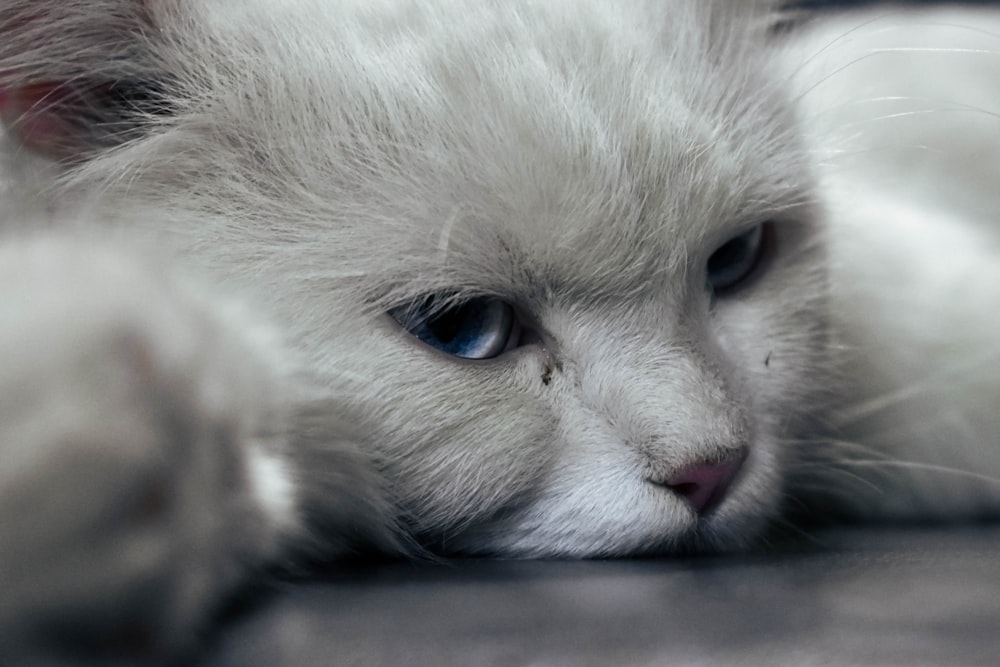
492, 135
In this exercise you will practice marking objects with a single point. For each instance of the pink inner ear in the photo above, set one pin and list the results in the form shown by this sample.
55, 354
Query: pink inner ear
36, 114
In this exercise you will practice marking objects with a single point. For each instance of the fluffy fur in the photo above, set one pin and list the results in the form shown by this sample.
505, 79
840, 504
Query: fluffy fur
208, 212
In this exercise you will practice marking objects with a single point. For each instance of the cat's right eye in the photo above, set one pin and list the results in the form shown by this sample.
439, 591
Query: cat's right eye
737, 259
478, 328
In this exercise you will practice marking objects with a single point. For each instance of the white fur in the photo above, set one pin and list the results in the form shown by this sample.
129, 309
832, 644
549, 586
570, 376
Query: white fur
900, 114
329, 193
328, 161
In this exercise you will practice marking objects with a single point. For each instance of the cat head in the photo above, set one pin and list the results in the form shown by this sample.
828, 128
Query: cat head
554, 264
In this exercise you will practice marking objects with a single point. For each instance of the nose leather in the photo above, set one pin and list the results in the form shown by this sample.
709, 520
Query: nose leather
704, 485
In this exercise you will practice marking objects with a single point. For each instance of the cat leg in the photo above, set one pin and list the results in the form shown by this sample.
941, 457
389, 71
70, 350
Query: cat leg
143, 470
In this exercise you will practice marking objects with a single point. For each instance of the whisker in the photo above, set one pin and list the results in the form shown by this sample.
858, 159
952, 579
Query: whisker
856, 102
792, 527
831, 469
931, 49
925, 387
444, 239
922, 467
884, 51
842, 445
837, 40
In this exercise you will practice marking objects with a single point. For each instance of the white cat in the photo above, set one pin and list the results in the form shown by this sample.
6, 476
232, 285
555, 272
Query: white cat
514, 278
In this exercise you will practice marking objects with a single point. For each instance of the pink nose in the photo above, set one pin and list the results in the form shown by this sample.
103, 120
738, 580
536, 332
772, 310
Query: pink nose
704, 485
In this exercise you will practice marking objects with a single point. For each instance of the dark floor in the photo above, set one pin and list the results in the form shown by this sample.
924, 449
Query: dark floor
868, 597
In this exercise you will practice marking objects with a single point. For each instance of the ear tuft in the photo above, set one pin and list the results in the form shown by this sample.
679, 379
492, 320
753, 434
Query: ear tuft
38, 114
77, 76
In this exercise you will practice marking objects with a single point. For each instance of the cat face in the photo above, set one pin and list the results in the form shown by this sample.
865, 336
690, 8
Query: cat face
608, 205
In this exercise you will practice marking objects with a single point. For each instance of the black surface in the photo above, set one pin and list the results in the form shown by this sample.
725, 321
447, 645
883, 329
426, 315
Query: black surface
872, 596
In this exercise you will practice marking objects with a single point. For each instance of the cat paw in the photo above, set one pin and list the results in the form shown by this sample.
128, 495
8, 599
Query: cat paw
140, 443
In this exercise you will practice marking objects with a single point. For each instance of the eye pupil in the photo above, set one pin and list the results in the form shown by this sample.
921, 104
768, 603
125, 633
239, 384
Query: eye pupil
734, 261
445, 327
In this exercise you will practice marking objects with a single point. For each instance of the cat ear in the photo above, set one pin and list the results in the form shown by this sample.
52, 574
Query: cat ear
77, 76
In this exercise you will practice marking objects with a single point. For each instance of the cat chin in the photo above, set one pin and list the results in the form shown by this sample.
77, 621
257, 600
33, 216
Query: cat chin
636, 519
652, 534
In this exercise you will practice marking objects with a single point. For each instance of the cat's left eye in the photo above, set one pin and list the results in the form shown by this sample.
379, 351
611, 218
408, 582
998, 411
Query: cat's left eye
478, 328
736, 260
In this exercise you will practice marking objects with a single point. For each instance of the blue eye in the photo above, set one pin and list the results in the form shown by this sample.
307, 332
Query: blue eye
480, 328
735, 260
